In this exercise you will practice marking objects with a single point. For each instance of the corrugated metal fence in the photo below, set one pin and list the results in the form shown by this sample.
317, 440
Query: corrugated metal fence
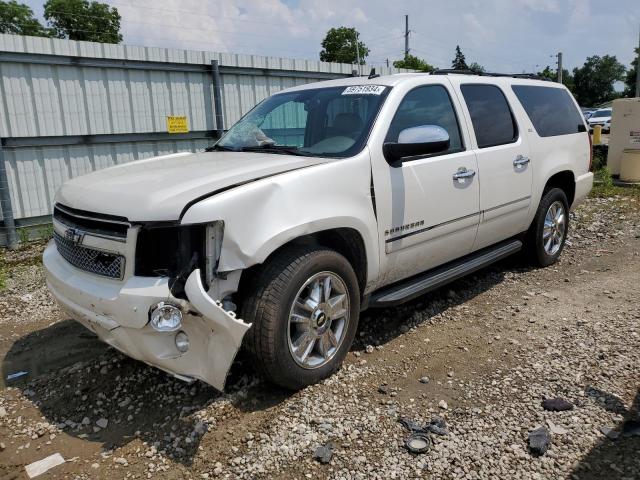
68, 108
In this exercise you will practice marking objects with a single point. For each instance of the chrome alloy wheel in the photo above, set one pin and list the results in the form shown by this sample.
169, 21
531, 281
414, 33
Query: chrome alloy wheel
554, 228
318, 320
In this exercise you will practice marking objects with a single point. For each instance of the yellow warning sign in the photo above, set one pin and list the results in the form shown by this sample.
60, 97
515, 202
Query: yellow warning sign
177, 124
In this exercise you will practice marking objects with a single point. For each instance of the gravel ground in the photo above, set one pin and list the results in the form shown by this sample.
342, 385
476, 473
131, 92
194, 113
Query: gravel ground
482, 354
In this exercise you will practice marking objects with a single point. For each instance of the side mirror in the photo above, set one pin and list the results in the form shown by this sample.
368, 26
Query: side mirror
413, 141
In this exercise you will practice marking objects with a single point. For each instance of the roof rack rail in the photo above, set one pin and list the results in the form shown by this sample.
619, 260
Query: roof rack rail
447, 71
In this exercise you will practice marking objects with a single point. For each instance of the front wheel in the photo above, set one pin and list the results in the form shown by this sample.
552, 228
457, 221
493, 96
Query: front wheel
548, 232
304, 306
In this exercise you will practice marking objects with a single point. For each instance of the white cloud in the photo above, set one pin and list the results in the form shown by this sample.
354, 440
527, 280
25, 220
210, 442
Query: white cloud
476, 29
503, 35
540, 5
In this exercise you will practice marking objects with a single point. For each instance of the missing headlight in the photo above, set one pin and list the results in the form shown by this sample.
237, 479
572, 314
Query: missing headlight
213, 247
166, 250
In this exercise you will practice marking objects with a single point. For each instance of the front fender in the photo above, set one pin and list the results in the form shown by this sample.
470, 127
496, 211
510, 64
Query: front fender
261, 216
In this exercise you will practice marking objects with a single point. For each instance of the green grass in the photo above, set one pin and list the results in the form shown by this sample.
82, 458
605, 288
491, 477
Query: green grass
3, 274
604, 186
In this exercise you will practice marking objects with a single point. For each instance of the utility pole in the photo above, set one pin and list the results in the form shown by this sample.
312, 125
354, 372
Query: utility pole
559, 67
638, 70
387, 63
357, 52
406, 36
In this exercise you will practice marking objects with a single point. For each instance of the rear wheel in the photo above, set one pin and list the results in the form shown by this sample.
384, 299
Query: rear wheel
304, 307
548, 232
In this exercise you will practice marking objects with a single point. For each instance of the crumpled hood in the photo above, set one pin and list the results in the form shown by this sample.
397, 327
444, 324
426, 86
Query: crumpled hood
158, 188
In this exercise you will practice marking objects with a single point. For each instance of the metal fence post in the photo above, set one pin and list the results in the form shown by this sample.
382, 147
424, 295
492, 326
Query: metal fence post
217, 97
5, 204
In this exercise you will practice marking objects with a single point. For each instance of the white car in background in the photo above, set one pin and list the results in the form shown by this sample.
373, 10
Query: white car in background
601, 117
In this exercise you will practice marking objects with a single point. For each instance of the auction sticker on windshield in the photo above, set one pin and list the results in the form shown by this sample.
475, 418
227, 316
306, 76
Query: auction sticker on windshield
364, 90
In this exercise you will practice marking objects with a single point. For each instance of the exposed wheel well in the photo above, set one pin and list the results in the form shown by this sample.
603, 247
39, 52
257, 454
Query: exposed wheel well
346, 241
565, 181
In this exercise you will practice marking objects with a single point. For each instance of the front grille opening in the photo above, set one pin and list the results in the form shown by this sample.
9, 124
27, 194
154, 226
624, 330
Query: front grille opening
95, 223
101, 263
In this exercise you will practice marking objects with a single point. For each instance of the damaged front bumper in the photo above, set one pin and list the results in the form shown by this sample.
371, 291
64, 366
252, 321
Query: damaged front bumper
118, 313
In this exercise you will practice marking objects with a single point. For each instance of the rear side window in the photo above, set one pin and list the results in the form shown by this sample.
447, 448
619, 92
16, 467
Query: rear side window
551, 110
490, 114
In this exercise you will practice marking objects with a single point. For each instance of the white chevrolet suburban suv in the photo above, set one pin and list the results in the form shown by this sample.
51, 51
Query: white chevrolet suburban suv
324, 200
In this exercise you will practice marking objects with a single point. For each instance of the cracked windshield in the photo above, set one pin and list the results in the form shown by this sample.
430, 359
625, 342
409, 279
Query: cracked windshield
326, 121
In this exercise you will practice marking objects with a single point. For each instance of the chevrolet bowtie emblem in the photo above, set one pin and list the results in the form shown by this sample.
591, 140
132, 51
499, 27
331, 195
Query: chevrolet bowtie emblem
74, 235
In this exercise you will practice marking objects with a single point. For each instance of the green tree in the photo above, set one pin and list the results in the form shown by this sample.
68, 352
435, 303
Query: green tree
339, 46
83, 20
548, 74
632, 73
552, 74
477, 68
593, 82
412, 62
18, 19
459, 62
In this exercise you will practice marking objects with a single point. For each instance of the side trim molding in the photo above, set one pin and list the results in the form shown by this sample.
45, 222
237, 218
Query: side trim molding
448, 222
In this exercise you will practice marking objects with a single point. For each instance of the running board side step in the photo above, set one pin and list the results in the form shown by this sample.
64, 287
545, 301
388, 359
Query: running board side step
409, 289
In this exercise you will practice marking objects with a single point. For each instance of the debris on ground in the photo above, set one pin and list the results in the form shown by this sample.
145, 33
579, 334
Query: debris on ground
41, 466
556, 404
418, 442
13, 376
411, 425
539, 440
383, 389
424, 380
438, 426
323, 453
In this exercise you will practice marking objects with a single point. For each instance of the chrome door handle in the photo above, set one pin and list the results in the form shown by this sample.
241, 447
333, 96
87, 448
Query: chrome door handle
521, 161
463, 173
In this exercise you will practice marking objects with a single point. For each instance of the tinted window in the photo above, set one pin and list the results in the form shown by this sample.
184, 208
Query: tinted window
428, 105
490, 115
602, 113
551, 110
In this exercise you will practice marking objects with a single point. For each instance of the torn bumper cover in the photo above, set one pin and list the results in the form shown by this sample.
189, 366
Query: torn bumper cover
118, 314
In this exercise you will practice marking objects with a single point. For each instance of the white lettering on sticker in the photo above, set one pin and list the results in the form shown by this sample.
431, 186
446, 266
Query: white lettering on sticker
364, 90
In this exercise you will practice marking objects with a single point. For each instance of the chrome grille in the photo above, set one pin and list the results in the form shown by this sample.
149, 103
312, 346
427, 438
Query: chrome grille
99, 262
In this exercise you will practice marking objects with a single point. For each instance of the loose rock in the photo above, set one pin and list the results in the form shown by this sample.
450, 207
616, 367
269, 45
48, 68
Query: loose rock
323, 453
539, 441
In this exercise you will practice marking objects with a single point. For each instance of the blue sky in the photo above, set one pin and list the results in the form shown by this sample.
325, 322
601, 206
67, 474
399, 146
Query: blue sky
502, 35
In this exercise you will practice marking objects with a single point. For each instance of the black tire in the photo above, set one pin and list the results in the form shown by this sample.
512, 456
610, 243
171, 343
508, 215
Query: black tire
267, 305
534, 243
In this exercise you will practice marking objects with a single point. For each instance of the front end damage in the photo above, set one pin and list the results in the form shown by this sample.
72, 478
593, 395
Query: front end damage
201, 346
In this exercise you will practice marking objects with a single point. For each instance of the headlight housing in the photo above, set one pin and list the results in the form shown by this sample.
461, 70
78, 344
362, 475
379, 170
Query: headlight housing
165, 317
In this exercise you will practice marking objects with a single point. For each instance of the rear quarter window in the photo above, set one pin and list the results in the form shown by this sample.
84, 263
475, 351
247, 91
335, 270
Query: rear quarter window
551, 110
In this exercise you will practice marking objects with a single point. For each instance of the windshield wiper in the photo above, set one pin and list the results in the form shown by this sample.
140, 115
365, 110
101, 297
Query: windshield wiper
271, 148
221, 148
